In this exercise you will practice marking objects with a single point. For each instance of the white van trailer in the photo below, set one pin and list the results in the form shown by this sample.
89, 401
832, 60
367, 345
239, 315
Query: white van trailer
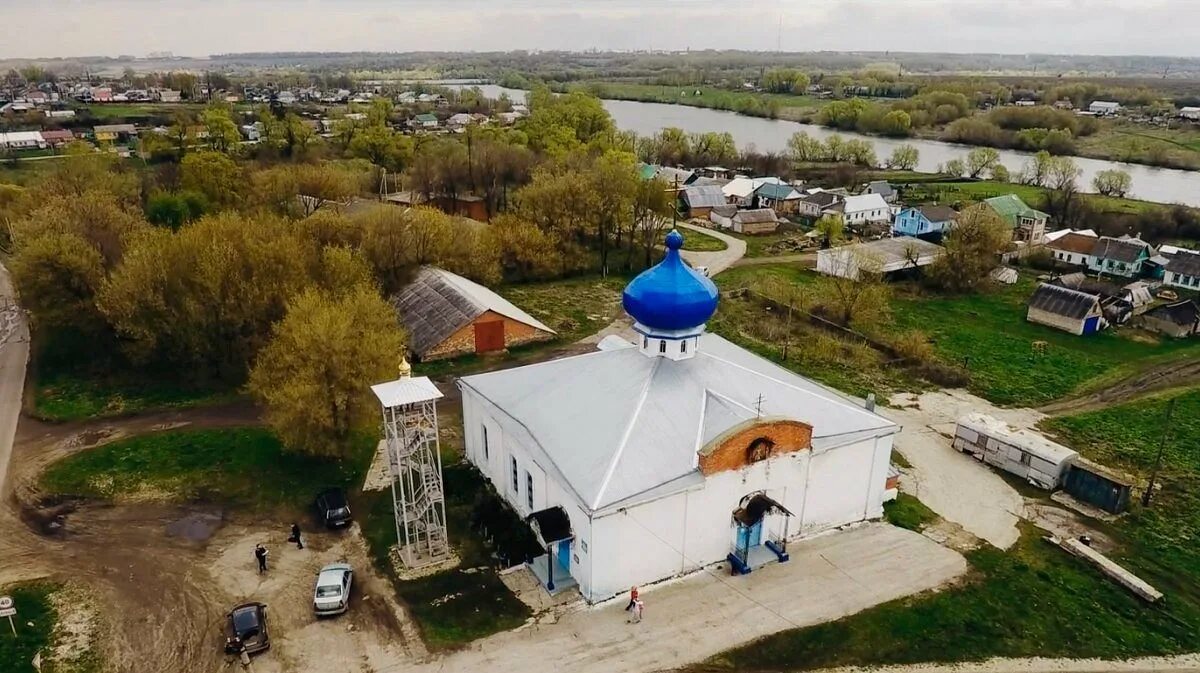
1026, 454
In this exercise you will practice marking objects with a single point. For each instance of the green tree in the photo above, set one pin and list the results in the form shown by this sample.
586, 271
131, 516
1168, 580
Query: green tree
175, 209
831, 228
896, 123
981, 160
383, 147
1000, 173
214, 175
313, 378
904, 158
223, 134
57, 276
971, 250
954, 168
1113, 182
803, 148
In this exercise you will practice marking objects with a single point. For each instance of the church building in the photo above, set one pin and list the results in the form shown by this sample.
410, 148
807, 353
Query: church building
648, 460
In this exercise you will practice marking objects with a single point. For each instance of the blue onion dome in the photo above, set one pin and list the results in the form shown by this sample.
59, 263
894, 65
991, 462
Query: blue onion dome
670, 295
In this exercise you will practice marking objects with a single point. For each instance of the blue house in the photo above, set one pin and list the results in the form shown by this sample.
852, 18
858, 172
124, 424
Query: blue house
924, 221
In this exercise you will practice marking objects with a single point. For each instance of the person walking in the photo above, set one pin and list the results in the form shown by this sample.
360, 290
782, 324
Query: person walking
296, 536
260, 553
636, 616
633, 599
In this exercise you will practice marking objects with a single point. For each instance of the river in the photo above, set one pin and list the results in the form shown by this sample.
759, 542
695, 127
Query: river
1164, 185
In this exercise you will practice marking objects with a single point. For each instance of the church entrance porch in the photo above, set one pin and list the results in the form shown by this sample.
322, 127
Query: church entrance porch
552, 527
752, 548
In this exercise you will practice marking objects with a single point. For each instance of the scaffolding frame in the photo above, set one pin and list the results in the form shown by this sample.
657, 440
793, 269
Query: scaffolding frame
410, 431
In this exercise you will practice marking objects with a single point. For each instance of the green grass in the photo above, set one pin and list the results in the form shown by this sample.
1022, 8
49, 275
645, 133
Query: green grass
1032, 600
701, 242
469, 602
242, 467
757, 246
962, 192
109, 111
989, 333
32, 601
70, 396
908, 512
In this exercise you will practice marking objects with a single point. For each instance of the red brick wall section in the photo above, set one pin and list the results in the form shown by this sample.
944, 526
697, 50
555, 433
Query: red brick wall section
462, 342
754, 440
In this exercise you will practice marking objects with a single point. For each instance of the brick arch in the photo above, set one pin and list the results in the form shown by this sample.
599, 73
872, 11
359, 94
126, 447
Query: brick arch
753, 441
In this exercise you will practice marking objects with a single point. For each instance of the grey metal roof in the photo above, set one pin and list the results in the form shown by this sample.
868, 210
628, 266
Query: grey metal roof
1063, 301
438, 303
1118, 250
756, 215
822, 199
938, 213
881, 187
406, 391
704, 196
617, 426
1184, 313
1185, 262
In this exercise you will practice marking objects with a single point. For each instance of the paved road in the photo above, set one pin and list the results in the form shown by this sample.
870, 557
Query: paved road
14, 354
716, 261
828, 577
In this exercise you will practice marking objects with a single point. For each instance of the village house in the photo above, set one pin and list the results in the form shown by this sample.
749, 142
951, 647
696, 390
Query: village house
22, 140
58, 137
426, 120
778, 196
1065, 309
1183, 270
1119, 256
672, 176
756, 221
447, 315
924, 221
1028, 224
698, 201
1117, 303
645, 461
1104, 107
817, 204
884, 189
1180, 319
1192, 113
883, 257
111, 133
1073, 247
865, 209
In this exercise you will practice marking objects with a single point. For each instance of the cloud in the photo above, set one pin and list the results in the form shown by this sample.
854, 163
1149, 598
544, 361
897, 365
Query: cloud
200, 27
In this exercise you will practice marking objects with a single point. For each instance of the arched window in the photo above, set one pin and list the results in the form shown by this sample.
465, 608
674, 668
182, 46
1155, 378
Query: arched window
683, 346
662, 345
759, 449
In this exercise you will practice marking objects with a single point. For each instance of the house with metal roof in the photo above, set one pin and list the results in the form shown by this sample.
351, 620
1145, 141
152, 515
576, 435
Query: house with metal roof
1119, 256
654, 458
924, 221
1066, 309
1073, 247
778, 196
447, 315
818, 203
754, 221
884, 189
1028, 224
882, 257
1179, 319
699, 200
1183, 269
865, 209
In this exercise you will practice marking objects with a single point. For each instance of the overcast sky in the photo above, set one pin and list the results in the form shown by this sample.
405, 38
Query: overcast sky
47, 28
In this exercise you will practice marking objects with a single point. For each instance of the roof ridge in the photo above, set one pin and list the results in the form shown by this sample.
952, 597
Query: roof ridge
637, 412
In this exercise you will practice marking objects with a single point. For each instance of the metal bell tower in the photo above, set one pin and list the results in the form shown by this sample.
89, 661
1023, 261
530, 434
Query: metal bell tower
410, 431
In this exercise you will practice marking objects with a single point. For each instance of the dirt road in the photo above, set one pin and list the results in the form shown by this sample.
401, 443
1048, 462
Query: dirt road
1174, 374
719, 260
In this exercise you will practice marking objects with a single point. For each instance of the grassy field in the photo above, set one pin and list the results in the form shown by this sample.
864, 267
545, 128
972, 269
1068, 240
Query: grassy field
469, 602
34, 621
699, 242
961, 192
110, 111
243, 467
757, 246
67, 396
1122, 141
988, 332
1032, 600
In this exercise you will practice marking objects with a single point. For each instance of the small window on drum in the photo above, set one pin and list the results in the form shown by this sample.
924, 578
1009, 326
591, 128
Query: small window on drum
662, 345
683, 346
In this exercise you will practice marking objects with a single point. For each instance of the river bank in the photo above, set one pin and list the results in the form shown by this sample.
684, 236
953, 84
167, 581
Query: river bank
1115, 141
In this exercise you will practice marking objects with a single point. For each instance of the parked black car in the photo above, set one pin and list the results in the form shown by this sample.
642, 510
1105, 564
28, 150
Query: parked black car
247, 629
332, 508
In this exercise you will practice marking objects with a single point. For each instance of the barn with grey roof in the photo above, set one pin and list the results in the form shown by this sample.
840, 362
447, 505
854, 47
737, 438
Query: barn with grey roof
447, 315
1066, 309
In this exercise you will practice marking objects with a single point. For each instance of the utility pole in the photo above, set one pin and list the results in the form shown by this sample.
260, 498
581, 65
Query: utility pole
1162, 445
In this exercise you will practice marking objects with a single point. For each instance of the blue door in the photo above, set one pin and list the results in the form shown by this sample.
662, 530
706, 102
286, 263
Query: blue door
1091, 325
564, 554
749, 536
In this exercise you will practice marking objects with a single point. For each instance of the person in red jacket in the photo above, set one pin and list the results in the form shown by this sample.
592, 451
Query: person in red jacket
633, 597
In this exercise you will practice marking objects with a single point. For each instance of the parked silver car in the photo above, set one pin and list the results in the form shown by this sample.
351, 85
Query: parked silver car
332, 593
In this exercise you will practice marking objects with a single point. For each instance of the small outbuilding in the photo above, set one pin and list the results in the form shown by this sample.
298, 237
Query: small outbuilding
1026, 454
698, 201
757, 221
885, 256
1066, 309
447, 315
1180, 319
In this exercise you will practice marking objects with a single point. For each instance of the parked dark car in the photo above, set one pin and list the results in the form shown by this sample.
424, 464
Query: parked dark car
332, 508
247, 629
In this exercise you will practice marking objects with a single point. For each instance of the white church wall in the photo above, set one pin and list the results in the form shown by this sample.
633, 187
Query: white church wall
845, 485
496, 467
